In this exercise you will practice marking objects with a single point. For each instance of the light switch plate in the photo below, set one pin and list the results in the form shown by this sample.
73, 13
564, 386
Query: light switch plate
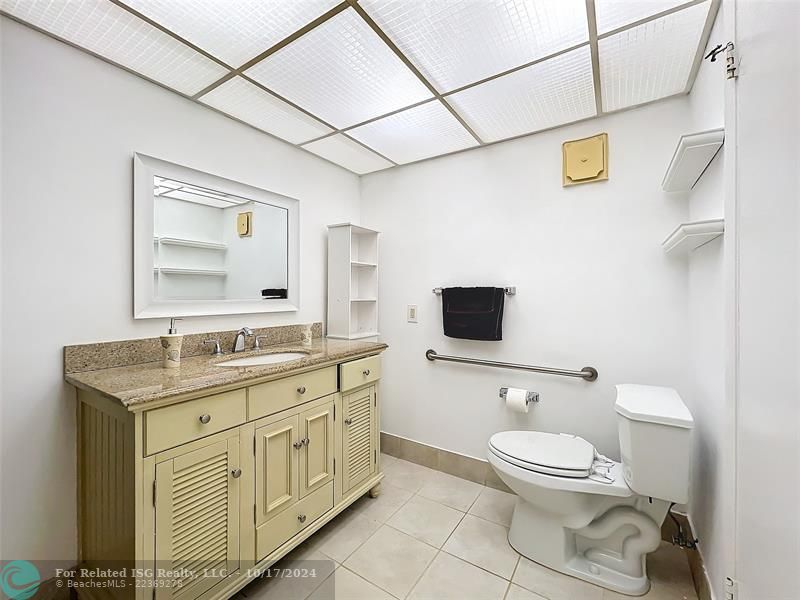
412, 313
585, 160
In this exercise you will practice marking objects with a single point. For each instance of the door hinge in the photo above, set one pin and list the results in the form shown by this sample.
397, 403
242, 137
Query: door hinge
731, 588
731, 61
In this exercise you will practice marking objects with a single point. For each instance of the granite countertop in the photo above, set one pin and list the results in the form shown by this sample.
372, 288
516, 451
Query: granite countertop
135, 385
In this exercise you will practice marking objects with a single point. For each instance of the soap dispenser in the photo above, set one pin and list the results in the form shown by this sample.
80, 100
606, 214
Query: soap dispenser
171, 346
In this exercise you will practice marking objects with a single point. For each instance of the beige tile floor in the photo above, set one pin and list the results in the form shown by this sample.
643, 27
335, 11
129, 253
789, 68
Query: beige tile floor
432, 536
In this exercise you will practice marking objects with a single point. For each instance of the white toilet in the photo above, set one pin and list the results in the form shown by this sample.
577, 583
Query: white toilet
584, 515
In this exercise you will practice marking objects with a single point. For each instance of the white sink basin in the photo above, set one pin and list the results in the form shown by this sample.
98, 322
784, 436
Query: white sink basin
264, 359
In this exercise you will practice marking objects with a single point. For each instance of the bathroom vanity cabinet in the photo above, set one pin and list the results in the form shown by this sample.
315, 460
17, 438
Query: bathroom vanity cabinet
227, 480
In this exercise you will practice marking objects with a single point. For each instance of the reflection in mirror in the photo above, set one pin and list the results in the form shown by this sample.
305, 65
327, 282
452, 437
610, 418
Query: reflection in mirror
212, 245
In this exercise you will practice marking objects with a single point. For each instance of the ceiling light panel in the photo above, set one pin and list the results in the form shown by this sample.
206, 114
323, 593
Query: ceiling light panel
114, 33
349, 154
241, 99
553, 92
234, 32
612, 14
342, 72
650, 61
421, 132
454, 43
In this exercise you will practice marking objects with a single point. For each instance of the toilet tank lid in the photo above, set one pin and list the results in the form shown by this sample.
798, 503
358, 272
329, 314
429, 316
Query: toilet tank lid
653, 404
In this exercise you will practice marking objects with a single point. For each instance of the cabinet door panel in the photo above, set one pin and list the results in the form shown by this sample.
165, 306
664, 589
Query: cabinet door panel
358, 437
277, 477
316, 457
197, 518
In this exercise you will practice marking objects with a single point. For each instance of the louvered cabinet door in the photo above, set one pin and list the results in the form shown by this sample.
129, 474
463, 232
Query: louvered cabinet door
359, 437
316, 456
277, 467
197, 518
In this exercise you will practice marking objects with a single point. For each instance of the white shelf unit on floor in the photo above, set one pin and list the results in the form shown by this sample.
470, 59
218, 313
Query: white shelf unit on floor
694, 153
352, 282
689, 236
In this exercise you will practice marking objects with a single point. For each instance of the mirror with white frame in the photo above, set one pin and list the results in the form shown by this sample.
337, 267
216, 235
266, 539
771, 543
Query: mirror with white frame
206, 245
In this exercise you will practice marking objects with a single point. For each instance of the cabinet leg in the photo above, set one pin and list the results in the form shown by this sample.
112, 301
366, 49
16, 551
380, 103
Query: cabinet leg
375, 491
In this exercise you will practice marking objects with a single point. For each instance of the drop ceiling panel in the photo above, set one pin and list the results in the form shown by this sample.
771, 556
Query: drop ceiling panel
421, 132
459, 42
650, 61
249, 103
553, 92
349, 154
342, 72
119, 36
612, 14
236, 31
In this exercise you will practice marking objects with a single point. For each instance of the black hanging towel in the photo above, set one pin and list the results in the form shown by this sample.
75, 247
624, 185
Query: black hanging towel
474, 313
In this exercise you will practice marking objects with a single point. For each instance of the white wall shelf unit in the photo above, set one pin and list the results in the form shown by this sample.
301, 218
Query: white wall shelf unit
694, 153
690, 236
352, 282
184, 271
206, 245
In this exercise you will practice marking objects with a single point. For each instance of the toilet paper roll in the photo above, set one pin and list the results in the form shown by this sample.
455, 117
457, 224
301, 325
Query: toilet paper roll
516, 400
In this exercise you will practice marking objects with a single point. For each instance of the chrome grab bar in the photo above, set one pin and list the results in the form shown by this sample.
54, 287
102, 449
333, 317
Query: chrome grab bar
587, 373
509, 290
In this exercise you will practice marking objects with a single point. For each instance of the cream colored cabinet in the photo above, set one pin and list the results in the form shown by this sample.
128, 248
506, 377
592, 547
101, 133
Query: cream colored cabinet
359, 437
227, 481
197, 516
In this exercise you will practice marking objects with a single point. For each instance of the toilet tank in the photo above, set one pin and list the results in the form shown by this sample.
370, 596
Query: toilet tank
654, 438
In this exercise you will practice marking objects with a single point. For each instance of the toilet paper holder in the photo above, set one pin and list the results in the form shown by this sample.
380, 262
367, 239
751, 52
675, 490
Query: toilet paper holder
529, 396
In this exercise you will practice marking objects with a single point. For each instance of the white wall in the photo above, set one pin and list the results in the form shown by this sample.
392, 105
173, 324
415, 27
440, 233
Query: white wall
71, 124
707, 400
593, 284
767, 191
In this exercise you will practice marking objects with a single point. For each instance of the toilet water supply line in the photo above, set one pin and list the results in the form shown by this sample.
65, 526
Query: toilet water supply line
634, 547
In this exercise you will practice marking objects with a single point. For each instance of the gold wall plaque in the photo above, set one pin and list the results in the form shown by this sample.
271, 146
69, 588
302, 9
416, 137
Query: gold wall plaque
585, 160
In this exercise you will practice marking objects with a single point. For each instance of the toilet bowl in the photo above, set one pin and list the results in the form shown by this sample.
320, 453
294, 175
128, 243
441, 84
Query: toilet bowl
585, 515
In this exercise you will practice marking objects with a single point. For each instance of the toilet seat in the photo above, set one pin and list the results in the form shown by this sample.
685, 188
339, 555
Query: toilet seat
561, 455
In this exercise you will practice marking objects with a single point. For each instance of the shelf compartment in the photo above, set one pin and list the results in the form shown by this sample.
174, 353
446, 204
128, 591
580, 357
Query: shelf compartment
690, 236
184, 271
174, 241
694, 153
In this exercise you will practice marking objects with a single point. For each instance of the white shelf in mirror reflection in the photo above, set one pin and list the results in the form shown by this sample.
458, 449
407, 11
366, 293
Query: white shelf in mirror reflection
690, 236
363, 300
355, 336
358, 263
206, 245
185, 271
691, 158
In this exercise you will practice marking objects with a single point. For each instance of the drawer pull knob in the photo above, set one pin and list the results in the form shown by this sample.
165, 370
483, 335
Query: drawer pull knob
348, 421
236, 473
366, 372
298, 445
301, 389
205, 419
306, 441
301, 518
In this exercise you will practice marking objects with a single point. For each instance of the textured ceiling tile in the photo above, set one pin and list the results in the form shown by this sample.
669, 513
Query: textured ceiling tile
234, 32
249, 103
417, 133
115, 34
612, 14
458, 42
342, 72
349, 154
650, 61
556, 91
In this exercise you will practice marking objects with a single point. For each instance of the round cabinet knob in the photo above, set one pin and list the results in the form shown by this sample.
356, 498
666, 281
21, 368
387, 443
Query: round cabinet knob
306, 441
236, 473
298, 445
348, 421
301, 518
205, 419
301, 389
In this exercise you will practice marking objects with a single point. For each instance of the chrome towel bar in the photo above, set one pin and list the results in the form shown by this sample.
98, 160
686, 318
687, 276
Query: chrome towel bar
587, 373
510, 290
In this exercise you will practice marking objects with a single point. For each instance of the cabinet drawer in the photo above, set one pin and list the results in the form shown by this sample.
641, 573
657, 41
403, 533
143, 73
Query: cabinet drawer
274, 396
280, 529
360, 372
180, 423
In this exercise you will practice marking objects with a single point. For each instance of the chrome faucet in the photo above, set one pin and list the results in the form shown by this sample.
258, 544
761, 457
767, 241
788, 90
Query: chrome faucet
238, 344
